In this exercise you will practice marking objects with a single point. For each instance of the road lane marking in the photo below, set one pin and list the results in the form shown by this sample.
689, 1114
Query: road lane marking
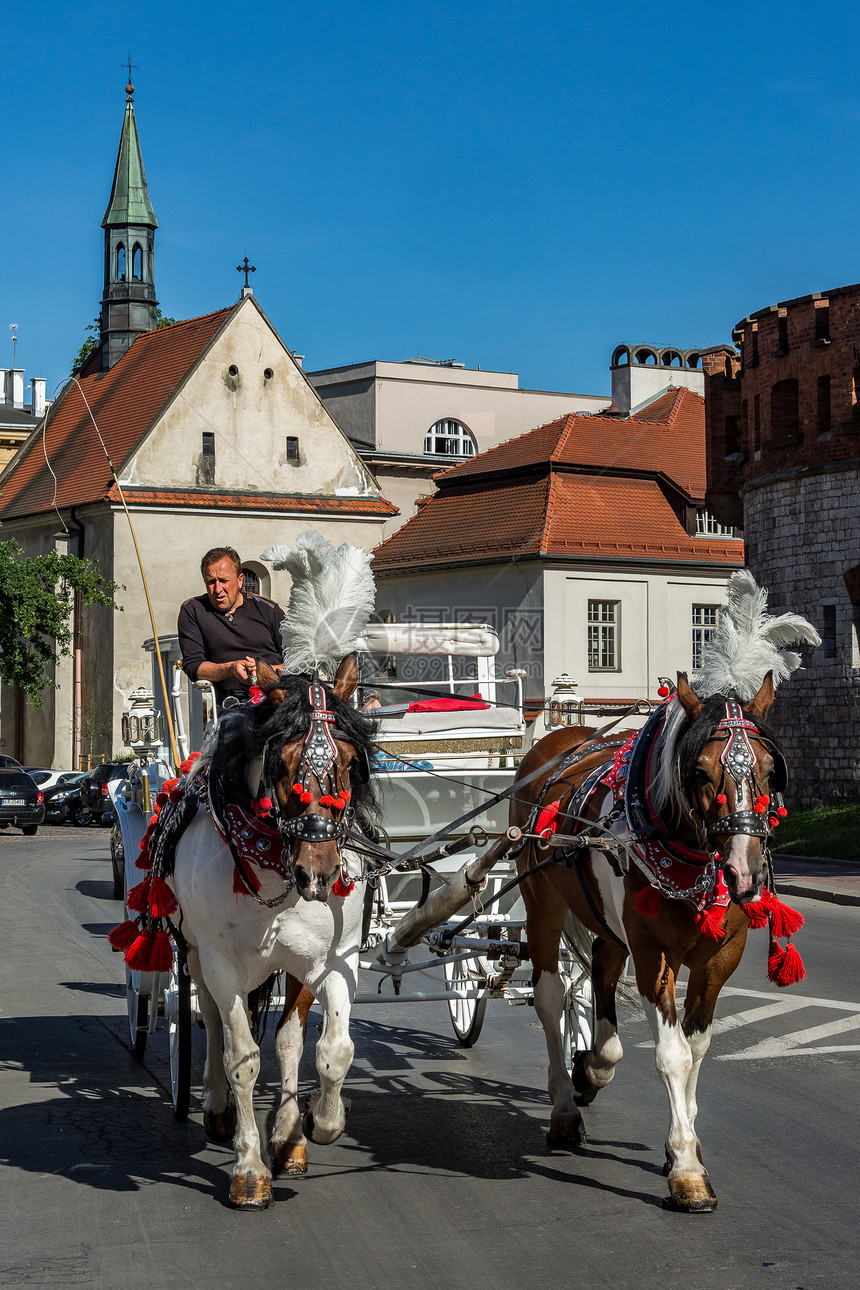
786, 1045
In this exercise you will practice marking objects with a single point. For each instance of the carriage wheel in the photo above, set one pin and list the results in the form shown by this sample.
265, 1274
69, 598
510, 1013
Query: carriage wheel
576, 1019
177, 1010
138, 1013
467, 1015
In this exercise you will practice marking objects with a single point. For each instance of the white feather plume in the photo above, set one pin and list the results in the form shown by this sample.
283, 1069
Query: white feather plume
331, 600
749, 642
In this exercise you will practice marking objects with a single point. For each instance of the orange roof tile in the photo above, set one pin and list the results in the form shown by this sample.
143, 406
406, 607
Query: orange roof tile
306, 502
557, 514
667, 437
125, 402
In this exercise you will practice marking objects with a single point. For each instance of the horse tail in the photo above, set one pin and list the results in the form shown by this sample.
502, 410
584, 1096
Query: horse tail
578, 940
259, 1003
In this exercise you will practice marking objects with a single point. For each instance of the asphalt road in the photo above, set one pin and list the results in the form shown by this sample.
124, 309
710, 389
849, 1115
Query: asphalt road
443, 1176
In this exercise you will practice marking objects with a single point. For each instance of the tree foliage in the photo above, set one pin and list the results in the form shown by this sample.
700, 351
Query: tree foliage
36, 602
93, 331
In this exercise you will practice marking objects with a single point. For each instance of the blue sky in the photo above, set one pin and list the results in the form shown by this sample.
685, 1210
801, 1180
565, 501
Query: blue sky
519, 186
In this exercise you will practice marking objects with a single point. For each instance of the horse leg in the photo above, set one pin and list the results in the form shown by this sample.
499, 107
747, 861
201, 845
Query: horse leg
251, 1181
288, 1148
546, 911
689, 1188
219, 1112
325, 1118
593, 1070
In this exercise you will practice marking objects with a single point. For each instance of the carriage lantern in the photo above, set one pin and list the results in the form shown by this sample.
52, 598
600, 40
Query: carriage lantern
142, 725
564, 707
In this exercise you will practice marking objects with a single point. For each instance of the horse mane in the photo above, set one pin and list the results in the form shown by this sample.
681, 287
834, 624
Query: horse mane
680, 746
257, 730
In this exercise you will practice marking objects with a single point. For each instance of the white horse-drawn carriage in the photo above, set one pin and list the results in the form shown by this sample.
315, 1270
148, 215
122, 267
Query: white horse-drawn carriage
364, 863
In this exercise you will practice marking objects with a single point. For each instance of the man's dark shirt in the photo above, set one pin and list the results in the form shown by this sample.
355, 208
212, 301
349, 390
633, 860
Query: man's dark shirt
207, 636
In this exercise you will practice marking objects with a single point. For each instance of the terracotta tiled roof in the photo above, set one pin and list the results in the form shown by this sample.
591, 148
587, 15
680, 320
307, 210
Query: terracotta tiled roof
560, 513
125, 402
306, 502
667, 437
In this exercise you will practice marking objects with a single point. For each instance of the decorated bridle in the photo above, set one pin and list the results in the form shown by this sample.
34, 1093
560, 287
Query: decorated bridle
318, 759
738, 760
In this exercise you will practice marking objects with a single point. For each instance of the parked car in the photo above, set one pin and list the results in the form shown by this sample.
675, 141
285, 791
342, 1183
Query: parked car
96, 800
46, 778
63, 799
9, 763
21, 801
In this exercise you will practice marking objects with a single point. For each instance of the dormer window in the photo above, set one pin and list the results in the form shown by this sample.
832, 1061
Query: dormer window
448, 438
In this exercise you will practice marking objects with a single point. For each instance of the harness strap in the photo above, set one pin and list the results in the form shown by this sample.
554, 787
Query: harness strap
586, 891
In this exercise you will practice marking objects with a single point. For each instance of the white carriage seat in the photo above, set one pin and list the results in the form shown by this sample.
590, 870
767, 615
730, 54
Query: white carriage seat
466, 723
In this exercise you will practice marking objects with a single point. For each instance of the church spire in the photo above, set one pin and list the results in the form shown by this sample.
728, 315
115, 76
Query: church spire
129, 306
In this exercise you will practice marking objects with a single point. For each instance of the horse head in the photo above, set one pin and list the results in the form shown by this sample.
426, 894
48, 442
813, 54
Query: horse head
311, 778
733, 775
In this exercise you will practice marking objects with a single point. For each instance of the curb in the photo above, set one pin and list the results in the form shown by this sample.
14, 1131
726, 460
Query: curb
835, 895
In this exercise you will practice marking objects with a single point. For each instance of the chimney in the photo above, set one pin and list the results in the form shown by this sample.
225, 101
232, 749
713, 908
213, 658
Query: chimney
15, 387
37, 386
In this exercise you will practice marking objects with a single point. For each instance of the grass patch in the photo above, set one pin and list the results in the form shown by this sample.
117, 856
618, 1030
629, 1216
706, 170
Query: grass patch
832, 831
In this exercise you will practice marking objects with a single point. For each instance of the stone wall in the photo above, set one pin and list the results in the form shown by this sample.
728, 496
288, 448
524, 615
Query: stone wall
802, 533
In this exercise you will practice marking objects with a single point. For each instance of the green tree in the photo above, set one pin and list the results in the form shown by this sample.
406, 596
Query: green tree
36, 601
91, 338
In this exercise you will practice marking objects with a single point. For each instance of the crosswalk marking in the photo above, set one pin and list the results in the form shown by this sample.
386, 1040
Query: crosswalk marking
798, 1043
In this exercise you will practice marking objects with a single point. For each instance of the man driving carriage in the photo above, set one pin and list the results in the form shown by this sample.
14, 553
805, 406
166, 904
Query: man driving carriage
224, 632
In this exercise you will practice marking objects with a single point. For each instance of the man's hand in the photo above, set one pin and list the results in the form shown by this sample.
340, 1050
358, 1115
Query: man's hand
240, 669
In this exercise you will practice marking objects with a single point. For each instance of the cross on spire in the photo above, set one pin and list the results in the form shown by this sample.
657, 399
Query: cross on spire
246, 268
129, 89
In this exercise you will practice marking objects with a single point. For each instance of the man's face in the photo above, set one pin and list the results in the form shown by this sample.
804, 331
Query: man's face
223, 585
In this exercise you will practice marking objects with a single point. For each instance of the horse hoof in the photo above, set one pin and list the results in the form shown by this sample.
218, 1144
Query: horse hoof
220, 1126
691, 1194
566, 1132
289, 1158
251, 1191
584, 1092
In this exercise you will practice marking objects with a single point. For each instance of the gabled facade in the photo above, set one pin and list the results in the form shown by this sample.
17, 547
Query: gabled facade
217, 438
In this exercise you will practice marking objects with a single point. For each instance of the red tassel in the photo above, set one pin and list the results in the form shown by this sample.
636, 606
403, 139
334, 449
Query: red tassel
161, 899
790, 969
266, 804
784, 921
648, 901
326, 800
124, 934
138, 956
306, 798
340, 888
710, 922
143, 861
298, 789
757, 914
138, 898
547, 821
161, 799
722, 799
347, 797
175, 795
162, 953
781, 812
252, 882
785, 966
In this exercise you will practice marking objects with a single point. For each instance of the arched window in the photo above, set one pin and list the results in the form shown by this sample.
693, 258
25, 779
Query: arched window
448, 438
120, 263
256, 579
671, 358
621, 356
137, 263
693, 360
646, 356
250, 581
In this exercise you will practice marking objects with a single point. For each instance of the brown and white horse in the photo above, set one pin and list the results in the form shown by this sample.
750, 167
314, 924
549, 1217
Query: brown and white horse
691, 797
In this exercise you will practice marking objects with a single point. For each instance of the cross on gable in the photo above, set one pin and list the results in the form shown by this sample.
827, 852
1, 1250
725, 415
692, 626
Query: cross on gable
246, 268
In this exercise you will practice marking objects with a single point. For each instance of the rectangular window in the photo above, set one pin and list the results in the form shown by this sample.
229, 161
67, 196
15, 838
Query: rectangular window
782, 335
208, 444
822, 322
707, 526
292, 448
603, 635
704, 622
828, 632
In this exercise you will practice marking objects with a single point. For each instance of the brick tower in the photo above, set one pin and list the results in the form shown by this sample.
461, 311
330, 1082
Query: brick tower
783, 445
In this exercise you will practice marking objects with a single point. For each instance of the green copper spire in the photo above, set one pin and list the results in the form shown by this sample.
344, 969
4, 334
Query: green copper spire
129, 199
